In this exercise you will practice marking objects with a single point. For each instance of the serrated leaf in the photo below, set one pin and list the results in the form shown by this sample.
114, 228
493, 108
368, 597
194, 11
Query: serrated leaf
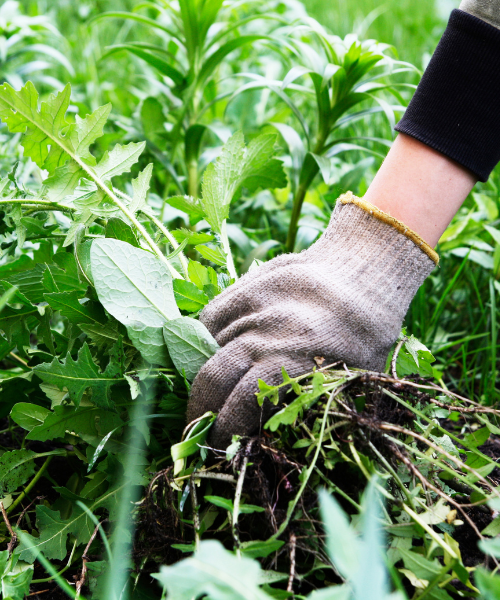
188, 296
87, 420
16, 467
140, 186
79, 376
54, 530
69, 305
119, 160
188, 205
235, 167
189, 344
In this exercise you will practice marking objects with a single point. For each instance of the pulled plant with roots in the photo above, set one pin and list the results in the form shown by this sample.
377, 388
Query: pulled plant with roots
429, 452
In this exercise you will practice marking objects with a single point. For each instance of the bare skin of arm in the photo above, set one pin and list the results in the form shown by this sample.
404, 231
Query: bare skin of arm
420, 187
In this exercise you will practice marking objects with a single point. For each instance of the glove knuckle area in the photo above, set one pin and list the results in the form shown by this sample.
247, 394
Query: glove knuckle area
217, 379
241, 413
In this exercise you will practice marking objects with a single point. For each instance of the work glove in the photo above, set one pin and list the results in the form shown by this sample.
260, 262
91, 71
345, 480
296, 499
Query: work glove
343, 299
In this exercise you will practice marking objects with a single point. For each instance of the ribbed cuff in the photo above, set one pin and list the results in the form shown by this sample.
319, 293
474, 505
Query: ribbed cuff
456, 107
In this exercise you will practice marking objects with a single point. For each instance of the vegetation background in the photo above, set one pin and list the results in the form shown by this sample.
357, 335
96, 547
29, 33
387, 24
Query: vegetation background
261, 85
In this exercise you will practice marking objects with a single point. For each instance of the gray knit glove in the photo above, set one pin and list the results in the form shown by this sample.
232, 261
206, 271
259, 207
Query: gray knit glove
343, 299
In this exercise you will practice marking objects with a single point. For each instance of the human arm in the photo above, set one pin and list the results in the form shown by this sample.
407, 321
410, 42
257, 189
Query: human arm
344, 299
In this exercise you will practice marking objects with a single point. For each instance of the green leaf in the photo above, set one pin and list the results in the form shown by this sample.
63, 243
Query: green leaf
119, 230
81, 375
69, 305
16, 584
54, 530
193, 237
201, 275
238, 166
132, 284
150, 343
341, 541
188, 296
213, 571
215, 255
140, 186
420, 566
191, 445
488, 584
188, 205
491, 547
227, 504
28, 415
189, 344
16, 467
87, 420
259, 548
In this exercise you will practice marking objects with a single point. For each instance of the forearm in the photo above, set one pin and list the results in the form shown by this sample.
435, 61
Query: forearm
420, 187
454, 127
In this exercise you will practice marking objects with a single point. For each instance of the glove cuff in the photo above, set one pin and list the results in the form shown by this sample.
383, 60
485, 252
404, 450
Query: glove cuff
350, 198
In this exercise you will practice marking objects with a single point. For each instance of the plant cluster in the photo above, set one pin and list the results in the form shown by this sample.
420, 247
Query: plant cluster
103, 274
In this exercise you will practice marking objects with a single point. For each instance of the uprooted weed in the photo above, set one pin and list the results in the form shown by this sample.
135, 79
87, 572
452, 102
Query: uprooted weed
425, 442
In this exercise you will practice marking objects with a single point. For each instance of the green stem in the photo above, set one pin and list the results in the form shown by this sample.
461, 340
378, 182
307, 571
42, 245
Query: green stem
293, 227
30, 486
310, 468
173, 242
59, 573
45, 204
97, 180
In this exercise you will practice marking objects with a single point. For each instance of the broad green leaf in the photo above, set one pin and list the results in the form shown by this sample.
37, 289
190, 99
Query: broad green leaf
150, 343
188, 296
119, 230
81, 375
87, 420
488, 584
16, 585
28, 415
16, 467
132, 284
189, 344
119, 160
341, 541
69, 305
201, 275
491, 547
420, 566
213, 571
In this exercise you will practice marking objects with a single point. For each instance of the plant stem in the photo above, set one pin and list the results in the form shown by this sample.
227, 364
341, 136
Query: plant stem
236, 506
310, 468
30, 485
45, 204
172, 241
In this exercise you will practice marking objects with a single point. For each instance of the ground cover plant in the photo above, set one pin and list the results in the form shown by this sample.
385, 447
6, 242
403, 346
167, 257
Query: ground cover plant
242, 125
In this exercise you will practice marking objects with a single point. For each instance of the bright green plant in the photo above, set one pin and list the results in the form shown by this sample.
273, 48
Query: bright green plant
23, 52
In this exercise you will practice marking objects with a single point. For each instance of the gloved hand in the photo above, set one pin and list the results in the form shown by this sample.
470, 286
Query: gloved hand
342, 299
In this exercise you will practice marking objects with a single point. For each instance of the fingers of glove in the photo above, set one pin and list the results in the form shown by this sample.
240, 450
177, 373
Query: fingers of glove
217, 379
241, 413
244, 297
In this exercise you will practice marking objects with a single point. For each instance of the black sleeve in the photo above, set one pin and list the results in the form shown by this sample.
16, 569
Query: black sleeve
456, 107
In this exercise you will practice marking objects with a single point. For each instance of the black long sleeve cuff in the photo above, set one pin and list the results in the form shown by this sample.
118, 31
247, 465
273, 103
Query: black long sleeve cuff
456, 107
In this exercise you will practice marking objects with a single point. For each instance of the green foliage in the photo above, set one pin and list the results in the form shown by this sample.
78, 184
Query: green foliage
107, 261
